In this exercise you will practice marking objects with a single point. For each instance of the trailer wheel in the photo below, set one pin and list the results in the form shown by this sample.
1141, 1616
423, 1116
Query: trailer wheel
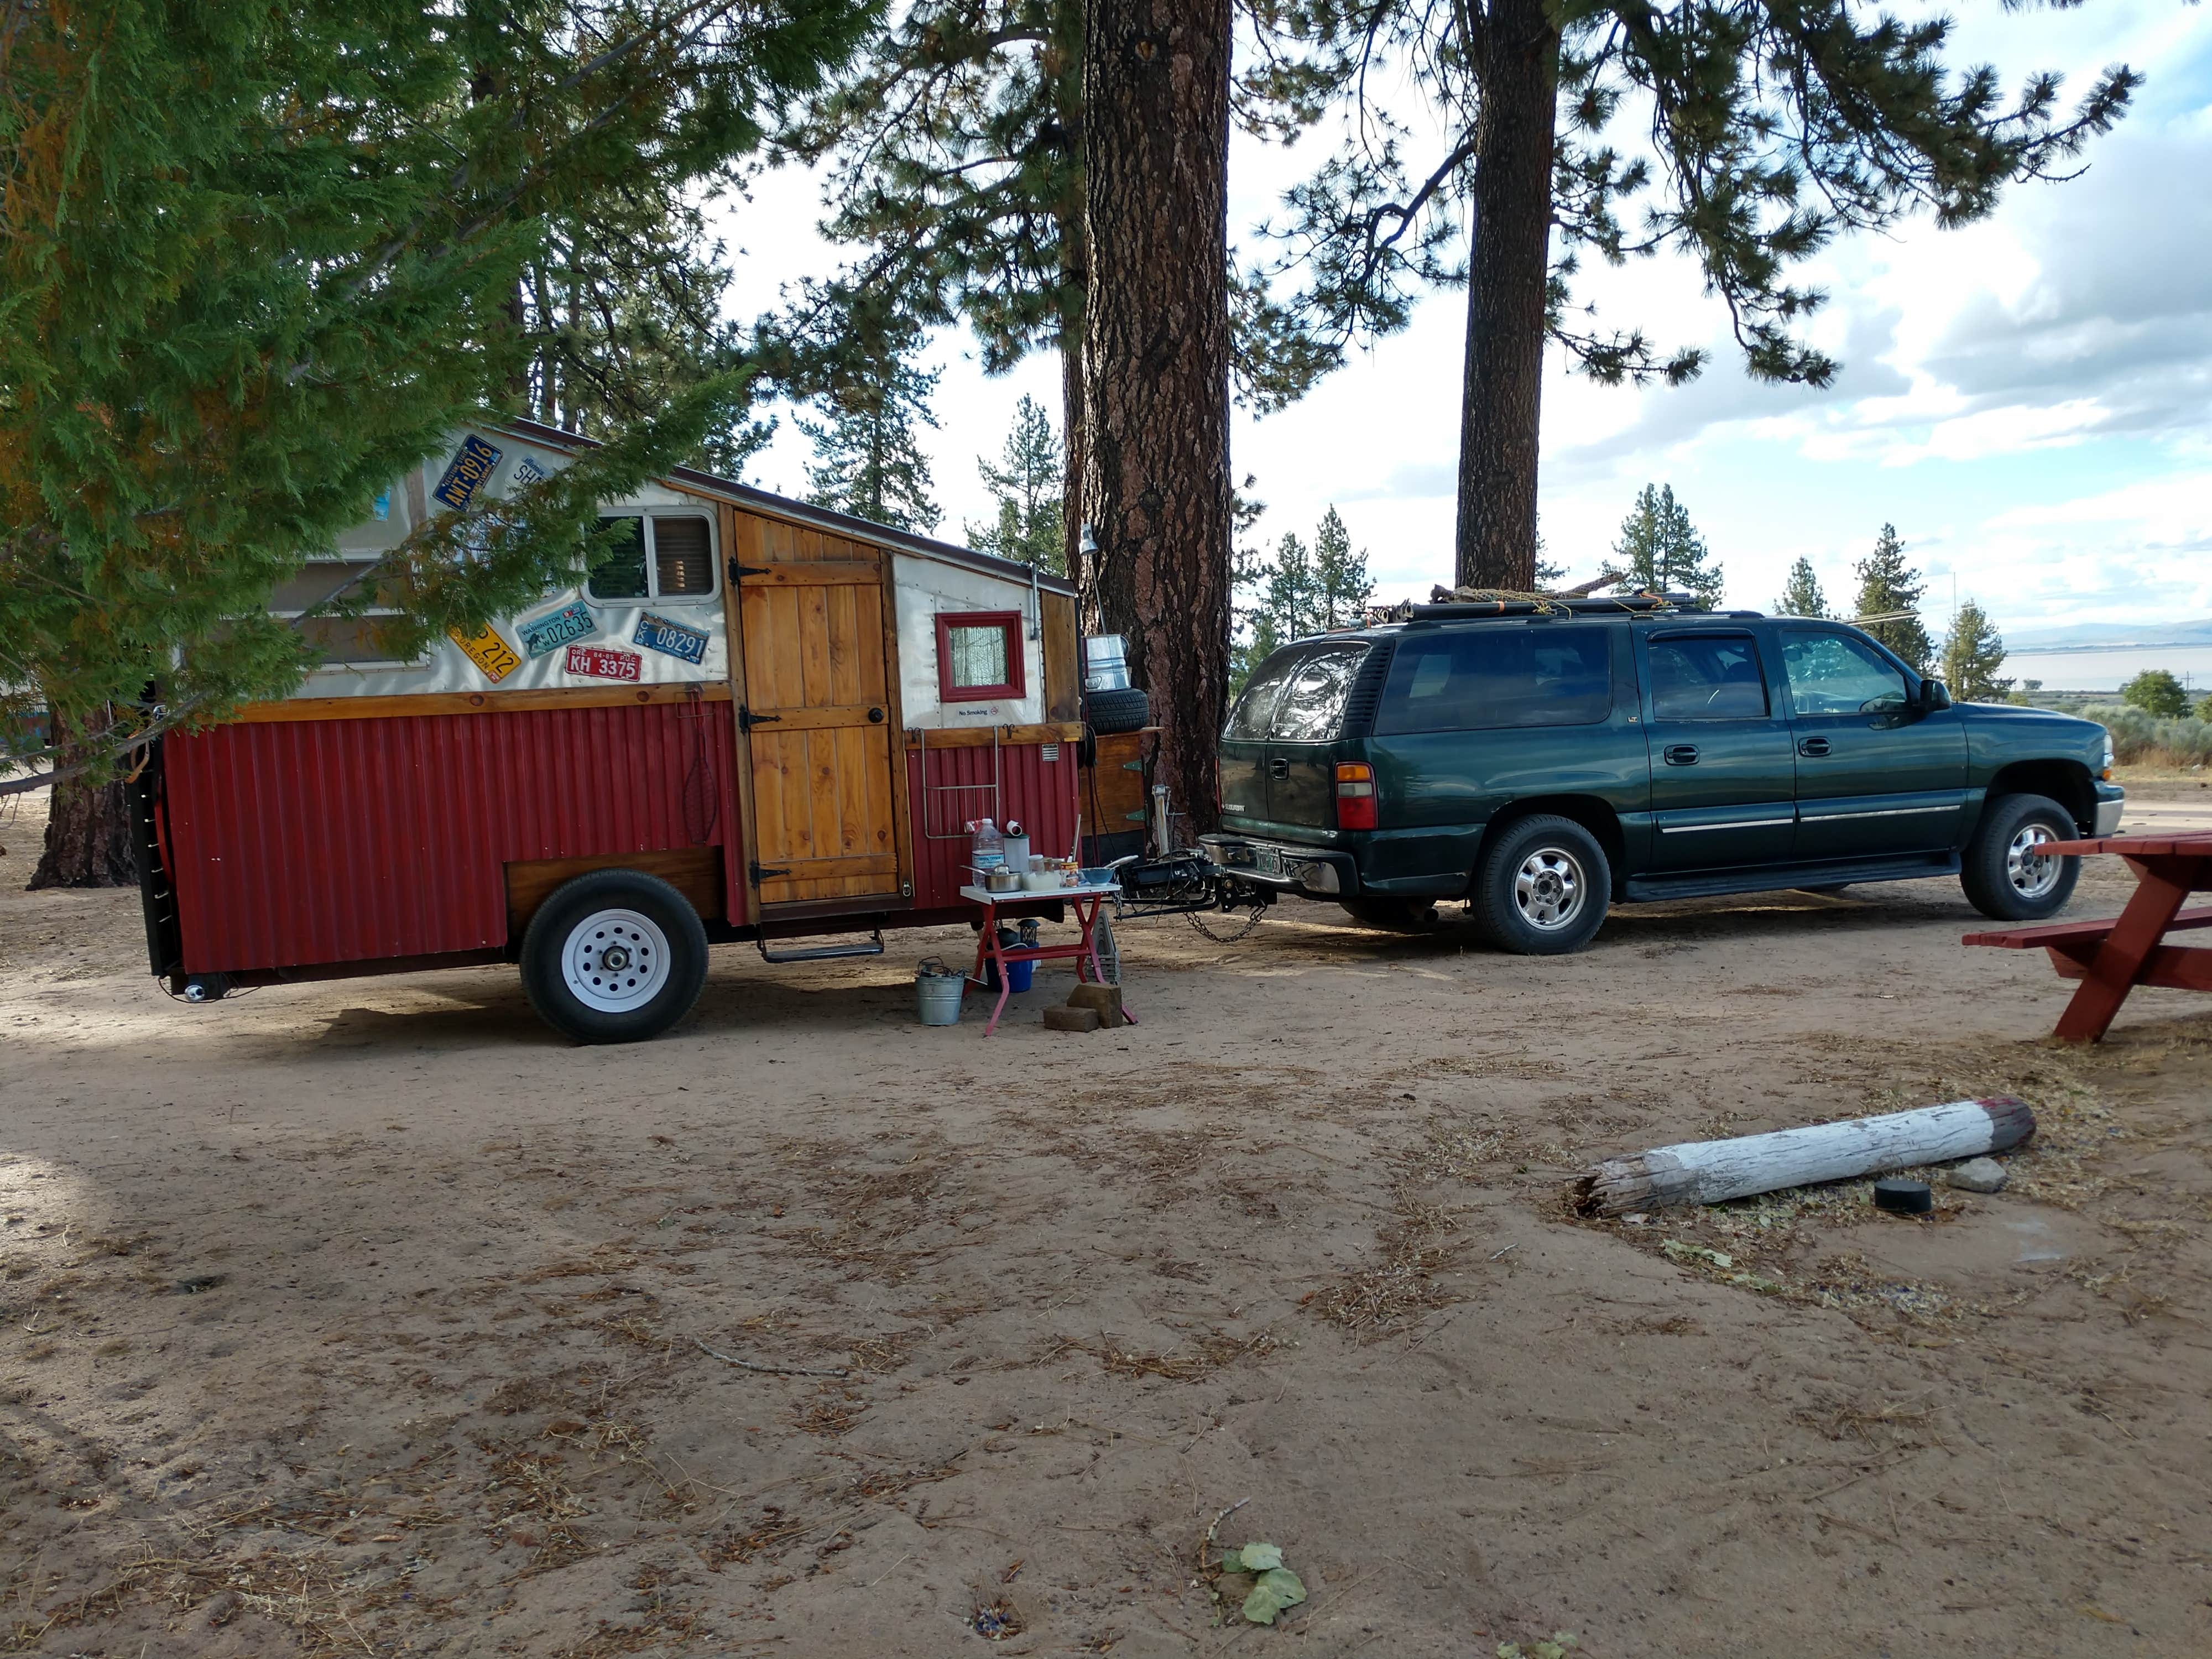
615, 956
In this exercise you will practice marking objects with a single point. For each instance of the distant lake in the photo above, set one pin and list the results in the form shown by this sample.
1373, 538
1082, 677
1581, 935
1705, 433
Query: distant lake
2103, 670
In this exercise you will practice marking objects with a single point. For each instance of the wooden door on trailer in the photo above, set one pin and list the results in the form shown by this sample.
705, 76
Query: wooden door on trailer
819, 714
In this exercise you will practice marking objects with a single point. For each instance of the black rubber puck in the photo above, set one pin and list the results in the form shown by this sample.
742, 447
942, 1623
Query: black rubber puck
1904, 1197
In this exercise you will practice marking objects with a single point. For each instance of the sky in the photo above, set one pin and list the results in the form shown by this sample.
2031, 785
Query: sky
2027, 399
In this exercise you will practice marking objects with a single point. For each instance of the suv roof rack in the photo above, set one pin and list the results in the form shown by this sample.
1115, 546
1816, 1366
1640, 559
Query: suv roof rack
1628, 604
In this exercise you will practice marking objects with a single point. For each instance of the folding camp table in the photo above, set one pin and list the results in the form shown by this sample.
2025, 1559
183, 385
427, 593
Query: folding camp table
2112, 957
1084, 952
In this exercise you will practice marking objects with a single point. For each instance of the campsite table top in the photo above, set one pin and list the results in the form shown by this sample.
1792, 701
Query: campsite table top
2111, 958
1083, 951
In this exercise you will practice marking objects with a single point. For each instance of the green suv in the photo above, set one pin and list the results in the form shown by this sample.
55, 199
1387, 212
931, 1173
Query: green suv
1543, 765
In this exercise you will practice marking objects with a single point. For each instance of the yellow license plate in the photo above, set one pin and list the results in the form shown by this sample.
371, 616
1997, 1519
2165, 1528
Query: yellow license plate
488, 652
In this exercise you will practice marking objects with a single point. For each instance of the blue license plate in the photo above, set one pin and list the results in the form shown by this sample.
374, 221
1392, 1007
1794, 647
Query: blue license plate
545, 634
659, 633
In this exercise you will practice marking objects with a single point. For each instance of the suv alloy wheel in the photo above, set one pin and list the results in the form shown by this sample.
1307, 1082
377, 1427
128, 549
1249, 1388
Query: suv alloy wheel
2007, 876
1543, 889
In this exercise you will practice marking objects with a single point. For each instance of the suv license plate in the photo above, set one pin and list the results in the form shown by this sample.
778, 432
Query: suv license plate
1267, 860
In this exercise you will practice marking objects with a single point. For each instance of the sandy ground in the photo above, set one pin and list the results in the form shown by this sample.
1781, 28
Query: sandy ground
369, 1317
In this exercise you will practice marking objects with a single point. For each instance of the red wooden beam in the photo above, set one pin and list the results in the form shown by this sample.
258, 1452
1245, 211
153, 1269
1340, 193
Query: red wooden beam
2060, 933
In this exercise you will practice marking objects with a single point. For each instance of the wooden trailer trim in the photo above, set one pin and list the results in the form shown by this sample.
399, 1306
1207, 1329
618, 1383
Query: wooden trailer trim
477, 702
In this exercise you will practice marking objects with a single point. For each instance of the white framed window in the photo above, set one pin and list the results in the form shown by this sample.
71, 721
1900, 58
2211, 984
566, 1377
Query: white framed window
668, 557
343, 641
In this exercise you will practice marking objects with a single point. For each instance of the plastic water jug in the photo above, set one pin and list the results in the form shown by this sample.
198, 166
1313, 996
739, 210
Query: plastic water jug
987, 848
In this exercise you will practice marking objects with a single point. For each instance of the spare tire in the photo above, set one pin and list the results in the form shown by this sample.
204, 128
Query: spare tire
1127, 710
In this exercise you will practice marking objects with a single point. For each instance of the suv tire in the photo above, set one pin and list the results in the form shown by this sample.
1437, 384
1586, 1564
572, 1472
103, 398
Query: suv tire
615, 956
2004, 878
1543, 889
1396, 915
1125, 710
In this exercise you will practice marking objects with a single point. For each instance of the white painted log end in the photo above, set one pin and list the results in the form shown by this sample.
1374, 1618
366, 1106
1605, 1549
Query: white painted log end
1713, 1171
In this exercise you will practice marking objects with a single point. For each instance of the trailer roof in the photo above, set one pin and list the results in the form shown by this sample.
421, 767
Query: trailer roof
821, 517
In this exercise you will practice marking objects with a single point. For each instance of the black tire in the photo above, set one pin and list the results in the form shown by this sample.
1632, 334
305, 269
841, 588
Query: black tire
1396, 915
2003, 879
673, 966
1108, 712
1540, 863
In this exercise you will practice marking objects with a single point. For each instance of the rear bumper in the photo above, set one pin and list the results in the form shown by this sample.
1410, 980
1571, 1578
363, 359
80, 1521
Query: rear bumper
2112, 801
1283, 866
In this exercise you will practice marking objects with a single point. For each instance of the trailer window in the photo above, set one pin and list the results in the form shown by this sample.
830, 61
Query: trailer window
979, 656
665, 557
339, 642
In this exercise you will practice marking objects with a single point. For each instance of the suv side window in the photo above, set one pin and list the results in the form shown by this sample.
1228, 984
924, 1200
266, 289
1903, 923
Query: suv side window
1487, 677
1836, 674
1707, 677
1312, 706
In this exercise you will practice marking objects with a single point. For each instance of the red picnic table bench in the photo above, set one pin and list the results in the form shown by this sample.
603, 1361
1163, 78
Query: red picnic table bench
2112, 957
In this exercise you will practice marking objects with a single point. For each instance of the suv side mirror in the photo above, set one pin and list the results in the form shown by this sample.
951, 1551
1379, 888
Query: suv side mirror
1934, 694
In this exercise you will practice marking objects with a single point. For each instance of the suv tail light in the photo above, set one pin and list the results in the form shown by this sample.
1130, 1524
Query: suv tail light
1355, 795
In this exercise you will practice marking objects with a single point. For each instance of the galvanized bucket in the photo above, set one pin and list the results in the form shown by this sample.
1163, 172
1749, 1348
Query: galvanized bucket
1105, 667
937, 991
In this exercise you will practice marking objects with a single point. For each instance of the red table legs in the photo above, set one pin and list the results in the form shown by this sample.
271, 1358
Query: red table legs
2112, 972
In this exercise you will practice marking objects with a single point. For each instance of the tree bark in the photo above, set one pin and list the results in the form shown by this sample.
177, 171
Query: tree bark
1156, 480
1071, 452
1509, 261
88, 830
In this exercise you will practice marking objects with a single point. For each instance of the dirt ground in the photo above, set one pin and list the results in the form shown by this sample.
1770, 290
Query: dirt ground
370, 1317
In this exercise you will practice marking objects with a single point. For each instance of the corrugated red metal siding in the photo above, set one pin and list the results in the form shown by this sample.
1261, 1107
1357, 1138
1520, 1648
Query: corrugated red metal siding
306, 842
1034, 792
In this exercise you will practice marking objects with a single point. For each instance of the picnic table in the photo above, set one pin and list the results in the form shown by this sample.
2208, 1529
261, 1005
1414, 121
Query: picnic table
2112, 957
1083, 900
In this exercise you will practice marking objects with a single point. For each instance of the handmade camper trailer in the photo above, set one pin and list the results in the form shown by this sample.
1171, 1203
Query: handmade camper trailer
769, 721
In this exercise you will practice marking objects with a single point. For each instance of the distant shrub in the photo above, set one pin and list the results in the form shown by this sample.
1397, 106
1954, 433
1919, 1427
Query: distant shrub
2142, 738
2156, 691
2204, 708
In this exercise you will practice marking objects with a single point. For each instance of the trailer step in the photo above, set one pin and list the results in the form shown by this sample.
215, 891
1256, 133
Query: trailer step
872, 946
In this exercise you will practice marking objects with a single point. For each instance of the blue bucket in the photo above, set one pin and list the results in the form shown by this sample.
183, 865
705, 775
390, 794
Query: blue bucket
1018, 974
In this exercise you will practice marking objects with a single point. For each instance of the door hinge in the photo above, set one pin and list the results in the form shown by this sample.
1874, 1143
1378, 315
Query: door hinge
747, 719
739, 572
760, 873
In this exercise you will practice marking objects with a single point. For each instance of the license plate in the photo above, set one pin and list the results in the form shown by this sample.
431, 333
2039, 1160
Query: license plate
1267, 861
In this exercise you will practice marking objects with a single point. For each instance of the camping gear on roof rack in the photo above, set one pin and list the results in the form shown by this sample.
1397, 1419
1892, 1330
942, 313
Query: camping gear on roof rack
1536, 605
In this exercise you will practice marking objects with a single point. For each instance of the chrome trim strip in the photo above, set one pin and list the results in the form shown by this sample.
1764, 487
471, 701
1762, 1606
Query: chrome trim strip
1884, 812
1733, 824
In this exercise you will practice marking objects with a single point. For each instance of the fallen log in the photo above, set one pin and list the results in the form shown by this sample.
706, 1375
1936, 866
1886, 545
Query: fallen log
1709, 1171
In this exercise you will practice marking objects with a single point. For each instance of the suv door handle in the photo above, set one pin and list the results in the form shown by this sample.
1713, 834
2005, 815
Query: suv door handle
1681, 754
1815, 747
1279, 768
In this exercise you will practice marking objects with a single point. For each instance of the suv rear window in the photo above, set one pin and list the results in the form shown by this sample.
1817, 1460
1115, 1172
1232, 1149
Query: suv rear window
1297, 697
1484, 678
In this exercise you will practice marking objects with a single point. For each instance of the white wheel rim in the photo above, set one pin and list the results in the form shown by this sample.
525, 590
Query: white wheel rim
615, 961
2032, 870
1548, 889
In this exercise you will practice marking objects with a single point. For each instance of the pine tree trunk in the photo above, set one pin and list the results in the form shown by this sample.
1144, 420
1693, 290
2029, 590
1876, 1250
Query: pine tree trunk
1072, 451
1156, 487
1505, 374
88, 831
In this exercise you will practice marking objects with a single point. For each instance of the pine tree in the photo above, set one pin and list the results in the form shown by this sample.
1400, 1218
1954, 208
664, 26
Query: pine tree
1292, 601
1801, 595
1971, 656
1028, 485
1890, 587
1341, 574
1776, 128
1661, 551
867, 459
255, 262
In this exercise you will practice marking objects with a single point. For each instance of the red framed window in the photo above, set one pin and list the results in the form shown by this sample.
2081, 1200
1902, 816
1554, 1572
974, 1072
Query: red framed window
979, 656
